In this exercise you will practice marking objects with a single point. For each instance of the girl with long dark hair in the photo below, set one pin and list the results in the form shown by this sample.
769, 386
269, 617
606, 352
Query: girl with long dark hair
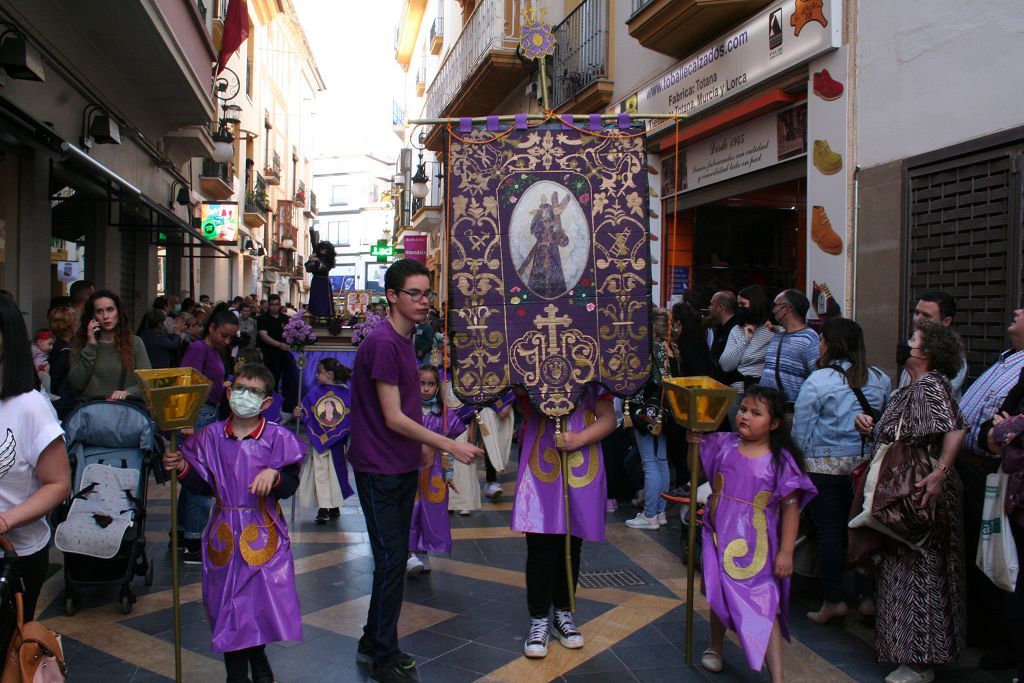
105, 354
758, 487
36, 476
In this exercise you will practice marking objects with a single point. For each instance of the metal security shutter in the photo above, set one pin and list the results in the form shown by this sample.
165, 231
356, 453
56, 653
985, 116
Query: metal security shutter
964, 237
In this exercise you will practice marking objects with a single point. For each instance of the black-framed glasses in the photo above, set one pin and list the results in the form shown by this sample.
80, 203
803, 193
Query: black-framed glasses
417, 295
243, 390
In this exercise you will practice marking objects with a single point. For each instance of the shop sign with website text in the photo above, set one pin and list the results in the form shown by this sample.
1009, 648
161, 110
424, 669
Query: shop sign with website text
780, 37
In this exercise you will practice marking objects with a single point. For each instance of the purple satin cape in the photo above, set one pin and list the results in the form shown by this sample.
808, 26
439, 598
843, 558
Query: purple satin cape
431, 531
741, 537
329, 430
539, 505
248, 573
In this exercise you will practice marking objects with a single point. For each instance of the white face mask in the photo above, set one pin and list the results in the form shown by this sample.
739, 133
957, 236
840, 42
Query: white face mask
245, 405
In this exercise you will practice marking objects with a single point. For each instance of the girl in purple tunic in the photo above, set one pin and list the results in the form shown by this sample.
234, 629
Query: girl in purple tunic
750, 527
431, 531
539, 510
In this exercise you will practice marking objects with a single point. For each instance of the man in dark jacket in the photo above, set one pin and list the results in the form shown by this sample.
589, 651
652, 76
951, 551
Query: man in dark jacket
723, 313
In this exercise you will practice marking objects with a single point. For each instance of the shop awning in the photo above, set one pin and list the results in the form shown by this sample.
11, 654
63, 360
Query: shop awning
148, 213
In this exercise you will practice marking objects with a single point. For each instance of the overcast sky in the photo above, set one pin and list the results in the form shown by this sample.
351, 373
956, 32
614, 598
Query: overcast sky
353, 43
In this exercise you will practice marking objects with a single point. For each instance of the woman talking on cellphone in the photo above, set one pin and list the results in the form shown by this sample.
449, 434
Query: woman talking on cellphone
105, 353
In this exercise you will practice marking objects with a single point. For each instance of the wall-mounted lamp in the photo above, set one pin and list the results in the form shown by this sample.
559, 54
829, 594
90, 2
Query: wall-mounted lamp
183, 196
232, 114
420, 190
99, 127
223, 150
19, 59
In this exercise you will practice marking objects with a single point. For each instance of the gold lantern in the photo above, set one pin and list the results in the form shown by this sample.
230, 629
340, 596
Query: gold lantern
698, 403
174, 395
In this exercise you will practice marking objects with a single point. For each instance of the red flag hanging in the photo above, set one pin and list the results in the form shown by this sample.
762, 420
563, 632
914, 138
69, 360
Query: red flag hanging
236, 31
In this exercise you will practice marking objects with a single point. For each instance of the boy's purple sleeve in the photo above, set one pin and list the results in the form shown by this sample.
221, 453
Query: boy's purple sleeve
385, 363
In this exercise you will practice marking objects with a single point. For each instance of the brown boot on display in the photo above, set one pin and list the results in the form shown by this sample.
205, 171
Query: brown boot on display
822, 233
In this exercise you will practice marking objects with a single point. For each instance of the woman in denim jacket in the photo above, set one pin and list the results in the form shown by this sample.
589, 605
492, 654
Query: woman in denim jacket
823, 427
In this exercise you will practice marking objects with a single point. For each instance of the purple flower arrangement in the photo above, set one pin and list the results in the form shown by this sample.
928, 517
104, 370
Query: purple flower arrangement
297, 332
361, 330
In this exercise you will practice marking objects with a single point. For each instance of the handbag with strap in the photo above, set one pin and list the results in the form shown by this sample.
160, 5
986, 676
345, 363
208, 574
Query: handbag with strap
892, 503
35, 654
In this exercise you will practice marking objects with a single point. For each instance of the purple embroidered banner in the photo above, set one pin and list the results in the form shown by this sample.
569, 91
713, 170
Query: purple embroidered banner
550, 265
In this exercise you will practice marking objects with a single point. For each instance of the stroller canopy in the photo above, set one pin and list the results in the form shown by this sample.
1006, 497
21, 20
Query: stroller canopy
112, 424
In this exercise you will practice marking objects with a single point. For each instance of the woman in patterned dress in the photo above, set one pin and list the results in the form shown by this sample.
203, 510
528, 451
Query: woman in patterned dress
920, 595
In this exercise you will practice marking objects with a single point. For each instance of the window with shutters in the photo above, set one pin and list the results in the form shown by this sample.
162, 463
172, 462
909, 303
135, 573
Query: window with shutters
964, 237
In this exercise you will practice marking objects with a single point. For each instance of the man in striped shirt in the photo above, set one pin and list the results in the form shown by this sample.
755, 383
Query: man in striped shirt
792, 354
986, 620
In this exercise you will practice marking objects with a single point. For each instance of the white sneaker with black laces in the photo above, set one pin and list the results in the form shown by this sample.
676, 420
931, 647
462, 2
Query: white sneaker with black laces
536, 645
564, 627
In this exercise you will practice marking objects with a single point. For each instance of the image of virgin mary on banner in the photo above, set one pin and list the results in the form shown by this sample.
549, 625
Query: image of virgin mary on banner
550, 263
328, 421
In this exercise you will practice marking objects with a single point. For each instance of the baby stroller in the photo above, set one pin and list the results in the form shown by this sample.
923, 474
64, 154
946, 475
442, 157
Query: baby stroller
112, 446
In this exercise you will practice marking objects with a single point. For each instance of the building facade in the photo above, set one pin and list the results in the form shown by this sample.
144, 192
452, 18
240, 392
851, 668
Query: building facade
735, 193
106, 137
269, 98
939, 184
355, 212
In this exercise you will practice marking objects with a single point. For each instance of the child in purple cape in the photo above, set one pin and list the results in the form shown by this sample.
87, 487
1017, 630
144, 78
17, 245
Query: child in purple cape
539, 510
248, 465
758, 488
431, 532
326, 413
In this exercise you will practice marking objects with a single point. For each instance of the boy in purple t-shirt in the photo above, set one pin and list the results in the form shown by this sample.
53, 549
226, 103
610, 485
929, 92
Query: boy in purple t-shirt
388, 444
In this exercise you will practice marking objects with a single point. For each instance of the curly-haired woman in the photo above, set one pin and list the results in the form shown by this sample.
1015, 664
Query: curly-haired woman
920, 593
105, 354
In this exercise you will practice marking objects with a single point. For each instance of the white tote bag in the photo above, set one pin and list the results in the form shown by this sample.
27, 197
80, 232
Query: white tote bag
997, 552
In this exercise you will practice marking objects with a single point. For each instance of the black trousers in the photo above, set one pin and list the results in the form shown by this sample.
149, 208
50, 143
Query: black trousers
987, 624
387, 505
32, 570
546, 585
237, 663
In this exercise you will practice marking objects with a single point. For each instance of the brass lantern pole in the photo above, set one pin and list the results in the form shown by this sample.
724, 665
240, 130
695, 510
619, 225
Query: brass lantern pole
699, 404
174, 397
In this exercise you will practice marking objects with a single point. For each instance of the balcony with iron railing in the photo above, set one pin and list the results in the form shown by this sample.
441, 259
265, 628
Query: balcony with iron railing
256, 204
481, 67
310, 210
216, 181
273, 169
580, 83
300, 194
421, 80
680, 27
436, 36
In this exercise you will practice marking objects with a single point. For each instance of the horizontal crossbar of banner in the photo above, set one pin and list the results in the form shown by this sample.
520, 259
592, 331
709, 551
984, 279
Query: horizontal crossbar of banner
543, 117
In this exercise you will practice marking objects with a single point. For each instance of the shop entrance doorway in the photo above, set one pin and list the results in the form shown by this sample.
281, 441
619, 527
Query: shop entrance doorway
754, 238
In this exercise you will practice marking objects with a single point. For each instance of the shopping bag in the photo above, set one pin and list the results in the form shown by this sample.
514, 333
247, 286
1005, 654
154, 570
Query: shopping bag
997, 551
